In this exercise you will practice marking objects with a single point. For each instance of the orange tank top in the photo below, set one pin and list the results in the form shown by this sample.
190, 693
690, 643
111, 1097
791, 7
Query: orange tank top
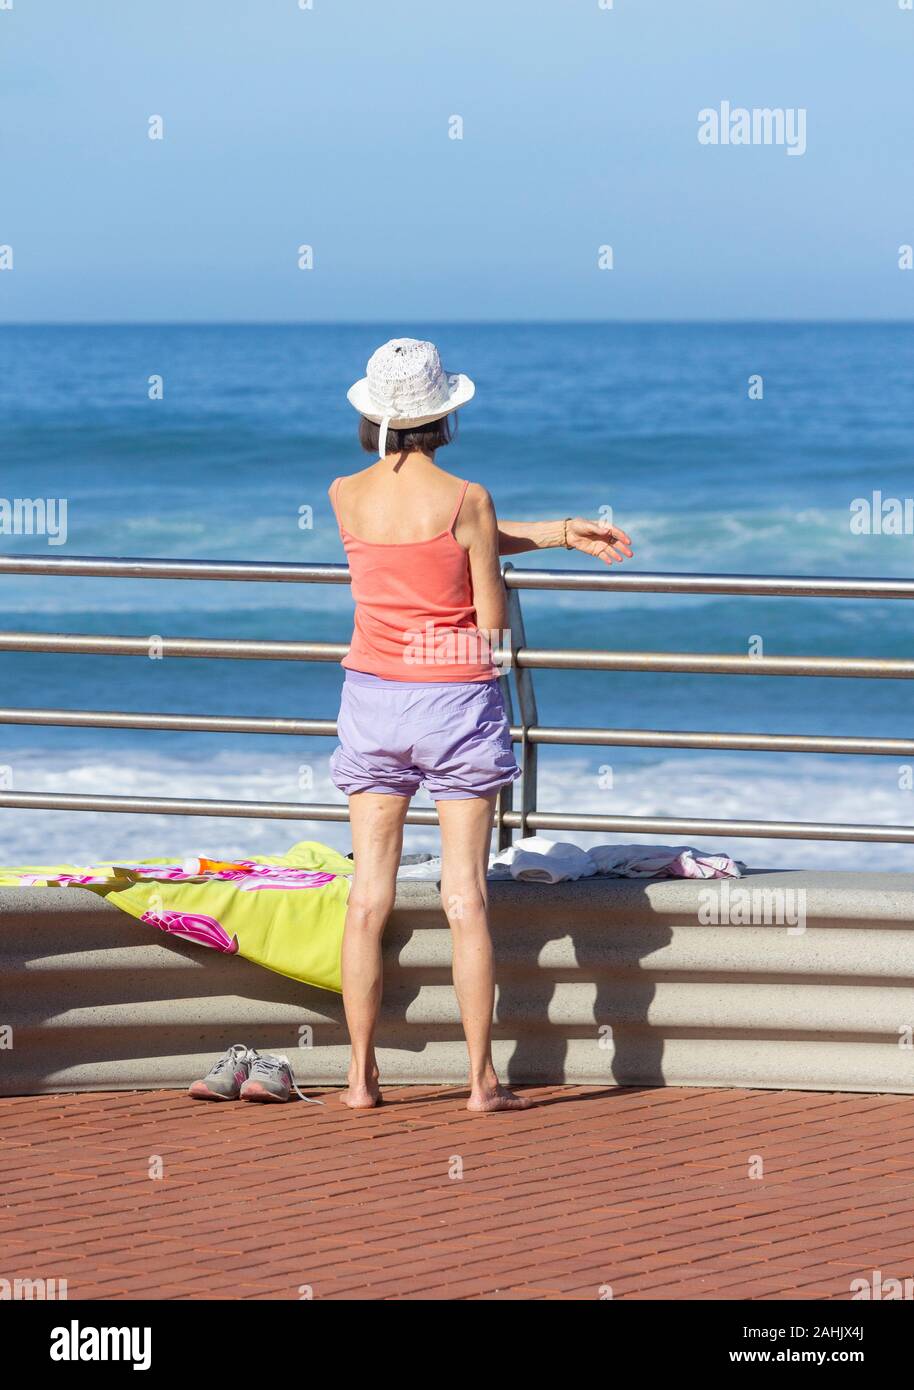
414, 614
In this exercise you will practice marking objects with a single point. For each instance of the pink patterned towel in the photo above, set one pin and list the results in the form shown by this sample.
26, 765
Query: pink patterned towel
663, 861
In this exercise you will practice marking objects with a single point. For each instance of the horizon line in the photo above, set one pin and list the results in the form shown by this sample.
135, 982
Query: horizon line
454, 323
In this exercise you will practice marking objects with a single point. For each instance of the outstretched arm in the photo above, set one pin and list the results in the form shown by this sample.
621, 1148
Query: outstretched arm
607, 543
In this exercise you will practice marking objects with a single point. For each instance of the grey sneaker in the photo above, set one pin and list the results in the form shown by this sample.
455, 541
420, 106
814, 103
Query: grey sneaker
226, 1076
270, 1079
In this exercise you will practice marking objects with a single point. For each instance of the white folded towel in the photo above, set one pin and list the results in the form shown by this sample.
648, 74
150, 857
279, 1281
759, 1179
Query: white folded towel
537, 860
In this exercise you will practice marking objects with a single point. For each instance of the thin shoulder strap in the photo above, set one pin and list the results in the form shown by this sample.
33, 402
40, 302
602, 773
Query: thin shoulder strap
335, 503
462, 494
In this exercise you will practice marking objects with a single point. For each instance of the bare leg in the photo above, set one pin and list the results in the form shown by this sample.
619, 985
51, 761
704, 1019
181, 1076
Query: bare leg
376, 821
466, 830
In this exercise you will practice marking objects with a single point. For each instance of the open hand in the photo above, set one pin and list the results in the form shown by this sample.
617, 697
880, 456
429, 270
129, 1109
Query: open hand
606, 543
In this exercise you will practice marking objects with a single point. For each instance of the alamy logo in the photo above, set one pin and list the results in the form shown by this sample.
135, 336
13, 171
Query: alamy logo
34, 516
75, 1343
881, 1287
760, 125
753, 907
882, 516
26, 1290
447, 646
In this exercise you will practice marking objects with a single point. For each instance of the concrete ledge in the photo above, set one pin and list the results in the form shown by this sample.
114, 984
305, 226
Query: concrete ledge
601, 981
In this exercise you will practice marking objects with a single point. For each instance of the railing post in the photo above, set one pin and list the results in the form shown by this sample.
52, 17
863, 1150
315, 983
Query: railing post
526, 700
505, 798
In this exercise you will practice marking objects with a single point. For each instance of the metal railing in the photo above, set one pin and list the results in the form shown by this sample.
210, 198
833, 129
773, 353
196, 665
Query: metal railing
520, 661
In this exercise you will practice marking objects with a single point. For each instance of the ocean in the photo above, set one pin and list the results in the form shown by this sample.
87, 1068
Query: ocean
659, 422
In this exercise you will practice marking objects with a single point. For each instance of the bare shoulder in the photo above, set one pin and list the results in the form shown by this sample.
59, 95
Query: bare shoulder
478, 501
348, 479
476, 524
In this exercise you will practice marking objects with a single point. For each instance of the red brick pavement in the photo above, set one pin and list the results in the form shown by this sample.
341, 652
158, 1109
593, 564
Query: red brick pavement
644, 1192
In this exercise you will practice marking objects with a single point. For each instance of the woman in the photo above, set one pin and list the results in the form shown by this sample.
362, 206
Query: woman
421, 704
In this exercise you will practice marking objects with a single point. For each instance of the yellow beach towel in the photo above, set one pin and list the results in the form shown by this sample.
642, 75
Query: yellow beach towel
284, 912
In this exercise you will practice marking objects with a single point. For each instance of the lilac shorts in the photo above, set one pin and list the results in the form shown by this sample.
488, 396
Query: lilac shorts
451, 738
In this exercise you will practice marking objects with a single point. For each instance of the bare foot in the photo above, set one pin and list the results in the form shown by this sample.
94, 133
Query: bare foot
496, 1098
362, 1095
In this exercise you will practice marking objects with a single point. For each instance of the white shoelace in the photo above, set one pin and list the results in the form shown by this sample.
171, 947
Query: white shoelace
230, 1058
274, 1063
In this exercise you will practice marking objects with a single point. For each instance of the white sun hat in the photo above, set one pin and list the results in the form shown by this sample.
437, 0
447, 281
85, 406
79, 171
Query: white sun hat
406, 386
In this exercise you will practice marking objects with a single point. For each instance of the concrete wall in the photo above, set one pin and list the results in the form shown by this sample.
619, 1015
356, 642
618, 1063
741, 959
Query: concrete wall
97, 1000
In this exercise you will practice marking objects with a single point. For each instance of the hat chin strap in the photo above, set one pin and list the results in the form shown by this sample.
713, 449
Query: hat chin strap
382, 431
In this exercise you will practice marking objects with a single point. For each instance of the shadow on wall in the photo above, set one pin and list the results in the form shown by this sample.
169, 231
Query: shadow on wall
97, 1001
593, 999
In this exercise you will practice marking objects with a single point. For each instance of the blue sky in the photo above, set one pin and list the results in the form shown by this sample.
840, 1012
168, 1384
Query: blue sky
329, 127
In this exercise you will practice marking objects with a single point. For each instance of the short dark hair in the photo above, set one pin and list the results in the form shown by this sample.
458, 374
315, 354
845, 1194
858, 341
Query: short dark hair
422, 439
